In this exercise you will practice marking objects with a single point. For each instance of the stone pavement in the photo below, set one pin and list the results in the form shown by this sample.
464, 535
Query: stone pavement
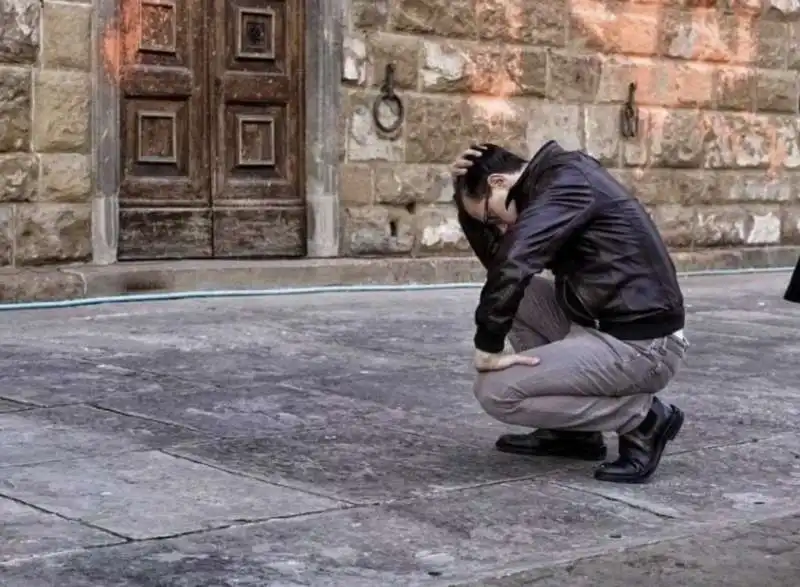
333, 440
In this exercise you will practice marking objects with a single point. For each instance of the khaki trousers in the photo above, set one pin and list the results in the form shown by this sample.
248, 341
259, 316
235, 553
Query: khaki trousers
586, 381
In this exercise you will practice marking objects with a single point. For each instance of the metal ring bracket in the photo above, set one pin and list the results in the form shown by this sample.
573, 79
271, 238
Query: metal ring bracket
389, 97
629, 116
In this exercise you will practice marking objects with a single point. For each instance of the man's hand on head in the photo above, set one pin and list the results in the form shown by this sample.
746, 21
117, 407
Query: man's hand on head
464, 161
497, 361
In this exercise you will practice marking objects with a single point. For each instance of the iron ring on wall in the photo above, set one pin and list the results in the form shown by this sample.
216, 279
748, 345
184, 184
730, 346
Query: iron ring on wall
399, 113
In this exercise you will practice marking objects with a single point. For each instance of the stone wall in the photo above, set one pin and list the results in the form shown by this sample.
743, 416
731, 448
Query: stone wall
716, 158
45, 176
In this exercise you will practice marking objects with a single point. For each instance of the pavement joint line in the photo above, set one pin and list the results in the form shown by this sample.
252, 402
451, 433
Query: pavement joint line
99, 455
27, 404
508, 572
178, 455
242, 523
636, 505
64, 517
102, 408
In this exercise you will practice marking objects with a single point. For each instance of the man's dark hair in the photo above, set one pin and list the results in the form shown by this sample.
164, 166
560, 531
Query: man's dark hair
493, 159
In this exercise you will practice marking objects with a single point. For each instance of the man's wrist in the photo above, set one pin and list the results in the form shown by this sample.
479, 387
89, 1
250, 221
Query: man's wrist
489, 342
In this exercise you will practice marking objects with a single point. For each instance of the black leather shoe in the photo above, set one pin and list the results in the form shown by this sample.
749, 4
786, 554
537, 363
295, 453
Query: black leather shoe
640, 451
585, 446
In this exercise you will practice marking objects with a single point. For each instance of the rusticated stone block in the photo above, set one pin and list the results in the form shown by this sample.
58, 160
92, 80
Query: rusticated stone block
573, 78
401, 51
365, 142
62, 111
772, 44
777, 91
19, 24
788, 9
439, 129
6, 235
451, 66
734, 88
15, 109
438, 231
602, 137
793, 46
681, 187
66, 178
39, 285
754, 187
66, 36
377, 231
560, 122
444, 18
676, 138
521, 21
615, 27
733, 226
19, 175
785, 152
737, 141
403, 185
676, 224
356, 184
705, 34
53, 234
790, 225
369, 14
354, 65
658, 83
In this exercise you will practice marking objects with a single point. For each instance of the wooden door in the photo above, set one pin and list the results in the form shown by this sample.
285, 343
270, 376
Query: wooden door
213, 131
257, 197
165, 183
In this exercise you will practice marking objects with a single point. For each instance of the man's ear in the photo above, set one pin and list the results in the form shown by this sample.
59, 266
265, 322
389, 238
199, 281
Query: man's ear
497, 180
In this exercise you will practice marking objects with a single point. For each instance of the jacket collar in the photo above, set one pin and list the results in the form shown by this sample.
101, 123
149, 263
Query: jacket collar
543, 160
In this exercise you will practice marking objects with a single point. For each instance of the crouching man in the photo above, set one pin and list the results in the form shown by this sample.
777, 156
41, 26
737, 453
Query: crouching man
593, 347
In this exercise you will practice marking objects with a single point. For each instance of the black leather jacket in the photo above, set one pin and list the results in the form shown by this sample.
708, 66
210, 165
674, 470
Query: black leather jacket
612, 269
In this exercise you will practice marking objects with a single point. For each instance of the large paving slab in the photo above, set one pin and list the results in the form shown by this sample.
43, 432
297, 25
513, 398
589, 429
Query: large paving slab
26, 532
334, 440
67, 432
151, 494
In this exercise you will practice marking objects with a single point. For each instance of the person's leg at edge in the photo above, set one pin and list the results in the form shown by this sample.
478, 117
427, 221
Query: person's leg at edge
592, 382
540, 321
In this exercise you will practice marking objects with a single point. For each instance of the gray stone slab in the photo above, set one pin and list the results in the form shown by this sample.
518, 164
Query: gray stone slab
446, 390
56, 382
27, 532
765, 554
52, 434
259, 364
364, 461
151, 494
455, 535
753, 480
729, 410
256, 411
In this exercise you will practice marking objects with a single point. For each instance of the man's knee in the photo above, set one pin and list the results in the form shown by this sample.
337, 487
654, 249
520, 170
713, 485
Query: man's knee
495, 396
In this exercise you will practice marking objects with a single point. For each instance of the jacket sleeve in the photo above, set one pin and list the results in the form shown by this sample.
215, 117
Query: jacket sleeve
542, 229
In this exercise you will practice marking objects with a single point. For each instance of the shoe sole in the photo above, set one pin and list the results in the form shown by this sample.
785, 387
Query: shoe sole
597, 456
674, 425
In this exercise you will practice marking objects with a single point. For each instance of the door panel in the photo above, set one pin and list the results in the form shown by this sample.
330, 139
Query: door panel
165, 182
258, 206
212, 129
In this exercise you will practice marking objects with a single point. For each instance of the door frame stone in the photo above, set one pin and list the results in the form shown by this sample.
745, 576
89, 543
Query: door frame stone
324, 25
